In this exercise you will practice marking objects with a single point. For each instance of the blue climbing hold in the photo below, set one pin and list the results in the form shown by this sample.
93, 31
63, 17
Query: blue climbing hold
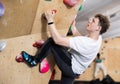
2, 9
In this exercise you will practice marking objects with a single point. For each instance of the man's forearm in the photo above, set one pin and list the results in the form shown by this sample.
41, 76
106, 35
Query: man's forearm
75, 31
54, 33
58, 39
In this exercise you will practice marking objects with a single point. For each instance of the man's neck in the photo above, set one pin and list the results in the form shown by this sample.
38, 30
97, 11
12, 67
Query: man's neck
94, 36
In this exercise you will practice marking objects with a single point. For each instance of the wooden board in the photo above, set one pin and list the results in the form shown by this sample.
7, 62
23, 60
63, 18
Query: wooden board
12, 72
63, 19
111, 53
18, 18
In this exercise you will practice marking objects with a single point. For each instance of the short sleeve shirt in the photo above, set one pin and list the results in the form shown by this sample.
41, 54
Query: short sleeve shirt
84, 51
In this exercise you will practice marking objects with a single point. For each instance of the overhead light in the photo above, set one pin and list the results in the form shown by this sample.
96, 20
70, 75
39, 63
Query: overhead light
113, 11
112, 15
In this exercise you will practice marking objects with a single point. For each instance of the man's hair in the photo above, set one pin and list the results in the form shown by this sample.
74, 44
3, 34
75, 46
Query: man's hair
103, 22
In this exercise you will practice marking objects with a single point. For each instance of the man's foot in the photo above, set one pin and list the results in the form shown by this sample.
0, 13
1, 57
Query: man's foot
28, 59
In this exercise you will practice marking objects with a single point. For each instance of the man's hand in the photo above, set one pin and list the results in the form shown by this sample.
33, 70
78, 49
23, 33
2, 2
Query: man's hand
58, 39
49, 14
75, 32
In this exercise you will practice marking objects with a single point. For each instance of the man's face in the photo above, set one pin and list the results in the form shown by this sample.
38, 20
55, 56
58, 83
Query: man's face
93, 24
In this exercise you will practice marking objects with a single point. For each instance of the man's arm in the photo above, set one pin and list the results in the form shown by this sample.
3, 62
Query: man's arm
58, 39
74, 30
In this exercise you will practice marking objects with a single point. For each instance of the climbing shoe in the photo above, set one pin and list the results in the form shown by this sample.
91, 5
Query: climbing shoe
29, 59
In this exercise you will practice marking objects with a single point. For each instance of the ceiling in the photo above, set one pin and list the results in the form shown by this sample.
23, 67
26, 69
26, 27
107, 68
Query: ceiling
111, 8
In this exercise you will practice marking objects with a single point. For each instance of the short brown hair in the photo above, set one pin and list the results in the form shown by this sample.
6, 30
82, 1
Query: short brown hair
104, 22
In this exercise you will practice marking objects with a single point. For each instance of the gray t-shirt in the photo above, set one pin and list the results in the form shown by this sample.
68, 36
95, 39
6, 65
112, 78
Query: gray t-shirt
84, 51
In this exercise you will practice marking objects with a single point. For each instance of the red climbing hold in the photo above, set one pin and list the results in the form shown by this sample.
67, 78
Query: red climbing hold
38, 44
70, 3
19, 58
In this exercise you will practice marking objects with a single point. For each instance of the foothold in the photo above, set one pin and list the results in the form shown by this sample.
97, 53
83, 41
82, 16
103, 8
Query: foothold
70, 3
2, 45
105, 41
38, 44
19, 58
54, 11
2, 9
80, 8
44, 66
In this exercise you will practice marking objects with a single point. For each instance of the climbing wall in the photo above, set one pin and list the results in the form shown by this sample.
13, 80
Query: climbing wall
13, 72
18, 18
110, 51
63, 18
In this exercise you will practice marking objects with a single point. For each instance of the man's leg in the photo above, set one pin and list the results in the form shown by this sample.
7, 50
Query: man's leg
66, 79
61, 56
42, 53
63, 60
45, 50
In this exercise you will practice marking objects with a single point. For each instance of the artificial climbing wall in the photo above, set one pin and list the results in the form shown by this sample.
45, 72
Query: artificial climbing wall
18, 18
14, 20
63, 17
12, 72
23, 17
110, 51
19, 15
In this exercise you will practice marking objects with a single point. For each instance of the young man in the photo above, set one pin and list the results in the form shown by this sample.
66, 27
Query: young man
83, 49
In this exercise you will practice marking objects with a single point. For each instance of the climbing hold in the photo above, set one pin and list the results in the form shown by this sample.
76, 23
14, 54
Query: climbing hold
2, 45
70, 3
19, 58
44, 66
80, 8
38, 44
2, 9
54, 11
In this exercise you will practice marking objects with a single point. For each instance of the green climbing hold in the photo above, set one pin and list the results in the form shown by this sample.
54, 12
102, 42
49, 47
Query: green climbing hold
80, 8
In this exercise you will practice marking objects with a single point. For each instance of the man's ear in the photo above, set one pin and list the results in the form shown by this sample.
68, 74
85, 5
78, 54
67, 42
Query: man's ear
99, 28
